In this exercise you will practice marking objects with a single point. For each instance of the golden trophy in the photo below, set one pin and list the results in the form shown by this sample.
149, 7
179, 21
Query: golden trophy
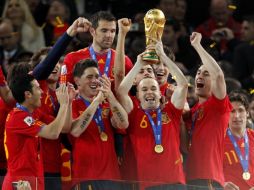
154, 24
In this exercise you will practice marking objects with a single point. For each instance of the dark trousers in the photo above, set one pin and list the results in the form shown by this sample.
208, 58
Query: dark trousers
204, 184
168, 187
2, 174
98, 185
130, 186
52, 181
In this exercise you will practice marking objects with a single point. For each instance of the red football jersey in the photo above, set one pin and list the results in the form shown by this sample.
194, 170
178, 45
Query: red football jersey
205, 158
4, 110
94, 159
232, 167
157, 168
74, 57
22, 147
50, 148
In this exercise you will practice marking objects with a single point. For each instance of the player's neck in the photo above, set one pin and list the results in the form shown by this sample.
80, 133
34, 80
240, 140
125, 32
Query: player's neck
28, 106
86, 97
150, 108
201, 99
239, 132
98, 49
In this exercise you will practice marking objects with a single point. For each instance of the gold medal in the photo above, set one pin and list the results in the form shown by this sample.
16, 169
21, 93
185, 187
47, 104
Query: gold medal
104, 136
158, 148
246, 175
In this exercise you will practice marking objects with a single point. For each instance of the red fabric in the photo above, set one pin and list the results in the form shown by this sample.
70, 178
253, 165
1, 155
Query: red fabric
210, 25
51, 149
2, 78
205, 158
66, 169
151, 166
164, 87
232, 167
60, 29
94, 159
74, 57
23, 149
128, 168
4, 110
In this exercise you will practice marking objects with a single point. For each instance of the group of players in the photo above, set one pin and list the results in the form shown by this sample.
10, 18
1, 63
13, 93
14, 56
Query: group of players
112, 97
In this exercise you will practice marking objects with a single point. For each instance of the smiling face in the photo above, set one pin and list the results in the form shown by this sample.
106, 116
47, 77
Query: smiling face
161, 72
88, 83
203, 83
149, 93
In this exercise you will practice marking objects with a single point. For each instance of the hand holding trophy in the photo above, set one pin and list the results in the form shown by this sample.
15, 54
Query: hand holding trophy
154, 24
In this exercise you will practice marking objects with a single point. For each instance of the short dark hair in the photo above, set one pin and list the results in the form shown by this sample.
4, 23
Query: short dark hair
19, 85
101, 15
249, 18
18, 69
82, 65
238, 96
36, 58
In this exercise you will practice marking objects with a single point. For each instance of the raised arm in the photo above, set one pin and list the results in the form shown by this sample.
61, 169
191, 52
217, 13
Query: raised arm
80, 124
218, 85
52, 130
44, 69
179, 95
126, 84
120, 116
124, 25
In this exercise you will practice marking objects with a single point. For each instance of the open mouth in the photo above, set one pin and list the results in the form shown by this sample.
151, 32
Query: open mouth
200, 85
150, 99
160, 74
94, 86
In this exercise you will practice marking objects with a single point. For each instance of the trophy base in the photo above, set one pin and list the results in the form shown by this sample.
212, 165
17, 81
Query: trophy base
151, 57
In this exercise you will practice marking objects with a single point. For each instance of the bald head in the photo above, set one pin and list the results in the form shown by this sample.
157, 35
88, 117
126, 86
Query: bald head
219, 11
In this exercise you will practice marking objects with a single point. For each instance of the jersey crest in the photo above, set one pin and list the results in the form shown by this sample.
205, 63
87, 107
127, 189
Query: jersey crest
28, 120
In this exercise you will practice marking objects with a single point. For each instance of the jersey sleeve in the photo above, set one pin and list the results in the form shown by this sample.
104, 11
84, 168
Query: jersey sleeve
68, 61
23, 123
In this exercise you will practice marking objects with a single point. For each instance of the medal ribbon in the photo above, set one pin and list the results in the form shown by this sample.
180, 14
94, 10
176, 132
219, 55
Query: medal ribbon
244, 160
156, 129
97, 116
106, 68
19, 106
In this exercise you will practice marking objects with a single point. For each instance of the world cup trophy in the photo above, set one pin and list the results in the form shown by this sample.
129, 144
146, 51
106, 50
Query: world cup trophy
154, 24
